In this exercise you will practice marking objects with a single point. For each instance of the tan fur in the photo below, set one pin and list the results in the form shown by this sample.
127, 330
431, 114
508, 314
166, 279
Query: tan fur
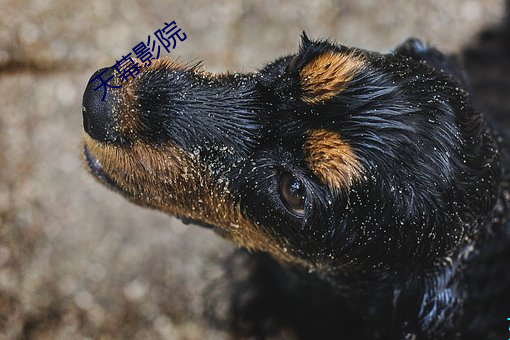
327, 75
176, 182
331, 159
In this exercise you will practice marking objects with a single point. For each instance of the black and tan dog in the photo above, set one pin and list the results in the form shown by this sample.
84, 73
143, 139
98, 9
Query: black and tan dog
372, 178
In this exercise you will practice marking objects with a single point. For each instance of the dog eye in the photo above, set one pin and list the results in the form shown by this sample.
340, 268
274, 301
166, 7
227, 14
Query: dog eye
292, 193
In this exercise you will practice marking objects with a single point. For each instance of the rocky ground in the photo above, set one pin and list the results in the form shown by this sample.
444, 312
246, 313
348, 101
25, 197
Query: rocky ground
80, 262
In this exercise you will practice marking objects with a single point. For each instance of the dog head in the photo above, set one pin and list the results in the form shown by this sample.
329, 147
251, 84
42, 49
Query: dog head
330, 158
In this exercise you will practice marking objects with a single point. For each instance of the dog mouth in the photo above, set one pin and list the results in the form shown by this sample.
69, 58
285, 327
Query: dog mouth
96, 169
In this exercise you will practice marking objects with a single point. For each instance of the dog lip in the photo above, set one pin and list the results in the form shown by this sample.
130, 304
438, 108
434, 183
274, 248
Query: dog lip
92, 162
97, 170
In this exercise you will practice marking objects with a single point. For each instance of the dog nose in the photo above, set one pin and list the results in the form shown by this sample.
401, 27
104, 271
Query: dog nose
98, 119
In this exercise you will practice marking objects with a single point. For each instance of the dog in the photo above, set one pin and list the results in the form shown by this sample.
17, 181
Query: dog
370, 189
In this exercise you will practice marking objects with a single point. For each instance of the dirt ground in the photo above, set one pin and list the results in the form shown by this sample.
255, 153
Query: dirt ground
80, 262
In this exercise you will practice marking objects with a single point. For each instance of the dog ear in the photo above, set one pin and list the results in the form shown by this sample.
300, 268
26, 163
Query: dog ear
417, 50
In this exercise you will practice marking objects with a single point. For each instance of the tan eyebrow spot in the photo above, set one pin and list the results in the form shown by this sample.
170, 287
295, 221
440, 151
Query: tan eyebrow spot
331, 159
328, 74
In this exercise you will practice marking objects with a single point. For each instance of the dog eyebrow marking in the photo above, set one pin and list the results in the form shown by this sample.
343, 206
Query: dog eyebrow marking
328, 75
331, 159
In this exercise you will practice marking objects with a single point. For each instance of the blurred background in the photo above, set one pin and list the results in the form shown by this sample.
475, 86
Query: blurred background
80, 262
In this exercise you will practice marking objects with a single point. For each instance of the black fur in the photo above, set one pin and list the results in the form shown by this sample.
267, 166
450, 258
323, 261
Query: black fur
419, 248
436, 187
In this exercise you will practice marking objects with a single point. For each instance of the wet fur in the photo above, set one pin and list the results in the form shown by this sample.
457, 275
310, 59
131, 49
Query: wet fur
417, 246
